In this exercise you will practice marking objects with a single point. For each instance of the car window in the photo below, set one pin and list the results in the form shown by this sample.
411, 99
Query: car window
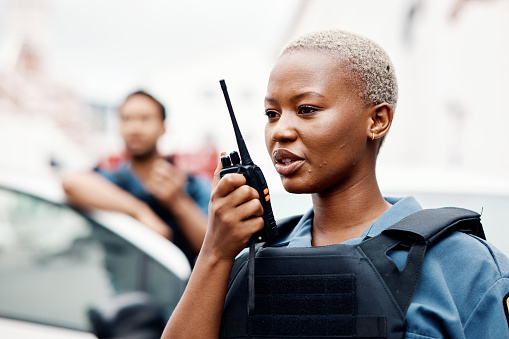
163, 286
55, 263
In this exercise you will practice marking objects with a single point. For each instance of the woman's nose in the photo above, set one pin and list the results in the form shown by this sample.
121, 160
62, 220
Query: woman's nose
284, 129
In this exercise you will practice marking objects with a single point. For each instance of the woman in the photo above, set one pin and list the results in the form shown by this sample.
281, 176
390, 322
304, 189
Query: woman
330, 102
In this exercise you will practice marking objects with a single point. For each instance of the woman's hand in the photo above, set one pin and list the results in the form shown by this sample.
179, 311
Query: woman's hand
235, 214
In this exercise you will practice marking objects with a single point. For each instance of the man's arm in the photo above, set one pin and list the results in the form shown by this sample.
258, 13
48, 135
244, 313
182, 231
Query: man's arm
91, 190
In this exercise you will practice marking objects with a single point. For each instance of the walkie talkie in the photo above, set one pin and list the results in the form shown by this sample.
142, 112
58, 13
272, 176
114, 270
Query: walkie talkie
253, 174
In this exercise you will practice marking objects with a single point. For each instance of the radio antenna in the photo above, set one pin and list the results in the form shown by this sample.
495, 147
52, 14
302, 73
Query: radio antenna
244, 154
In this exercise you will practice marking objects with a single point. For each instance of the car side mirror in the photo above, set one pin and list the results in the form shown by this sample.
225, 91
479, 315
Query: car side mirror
132, 315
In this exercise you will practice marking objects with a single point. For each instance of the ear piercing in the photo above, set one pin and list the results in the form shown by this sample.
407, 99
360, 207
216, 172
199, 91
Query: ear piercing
373, 137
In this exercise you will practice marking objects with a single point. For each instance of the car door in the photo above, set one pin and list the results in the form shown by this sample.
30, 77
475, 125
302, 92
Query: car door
56, 263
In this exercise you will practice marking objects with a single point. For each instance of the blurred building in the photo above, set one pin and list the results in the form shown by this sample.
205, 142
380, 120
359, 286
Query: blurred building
43, 122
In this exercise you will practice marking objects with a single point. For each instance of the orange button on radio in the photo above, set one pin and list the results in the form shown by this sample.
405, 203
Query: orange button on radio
266, 191
267, 197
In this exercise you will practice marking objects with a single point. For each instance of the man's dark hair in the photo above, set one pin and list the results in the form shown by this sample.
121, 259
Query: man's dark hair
142, 92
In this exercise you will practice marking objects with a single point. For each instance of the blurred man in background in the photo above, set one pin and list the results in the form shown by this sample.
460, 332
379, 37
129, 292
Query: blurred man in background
146, 185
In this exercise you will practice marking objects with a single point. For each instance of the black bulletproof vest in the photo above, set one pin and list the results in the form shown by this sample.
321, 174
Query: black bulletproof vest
338, 291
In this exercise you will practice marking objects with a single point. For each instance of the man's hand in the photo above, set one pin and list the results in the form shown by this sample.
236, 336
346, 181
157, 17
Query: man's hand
166, 182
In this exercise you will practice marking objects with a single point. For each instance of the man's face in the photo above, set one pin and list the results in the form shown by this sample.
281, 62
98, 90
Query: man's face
317, 125
141, 125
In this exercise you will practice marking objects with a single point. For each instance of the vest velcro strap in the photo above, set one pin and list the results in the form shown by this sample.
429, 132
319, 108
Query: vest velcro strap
234, 327
306, 327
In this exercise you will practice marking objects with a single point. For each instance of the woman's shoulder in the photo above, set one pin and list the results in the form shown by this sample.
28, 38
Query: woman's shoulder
465, 249
463, 278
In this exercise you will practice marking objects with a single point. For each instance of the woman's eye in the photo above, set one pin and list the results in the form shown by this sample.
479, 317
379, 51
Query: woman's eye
271, 114
307, 109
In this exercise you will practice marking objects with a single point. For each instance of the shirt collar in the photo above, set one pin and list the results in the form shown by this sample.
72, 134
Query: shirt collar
300, 236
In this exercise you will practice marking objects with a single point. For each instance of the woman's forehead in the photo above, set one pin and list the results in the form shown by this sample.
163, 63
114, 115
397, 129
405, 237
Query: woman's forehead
306, 70
311, 63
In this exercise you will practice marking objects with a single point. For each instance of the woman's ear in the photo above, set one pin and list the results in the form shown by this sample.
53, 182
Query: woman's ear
381, 120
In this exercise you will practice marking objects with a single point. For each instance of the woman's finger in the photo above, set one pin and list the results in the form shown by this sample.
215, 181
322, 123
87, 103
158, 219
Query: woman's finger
217, 171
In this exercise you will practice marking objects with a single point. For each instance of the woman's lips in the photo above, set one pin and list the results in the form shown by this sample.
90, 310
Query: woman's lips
286, 162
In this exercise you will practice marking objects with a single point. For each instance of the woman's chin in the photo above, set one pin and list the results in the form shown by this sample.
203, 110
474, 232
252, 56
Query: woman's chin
295, 188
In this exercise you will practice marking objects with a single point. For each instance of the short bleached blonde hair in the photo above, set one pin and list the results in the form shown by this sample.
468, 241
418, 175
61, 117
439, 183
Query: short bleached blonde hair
369, 64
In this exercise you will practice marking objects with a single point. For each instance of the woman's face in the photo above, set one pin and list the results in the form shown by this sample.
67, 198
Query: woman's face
318, 127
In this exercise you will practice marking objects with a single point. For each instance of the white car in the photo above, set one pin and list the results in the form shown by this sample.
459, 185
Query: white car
67, 274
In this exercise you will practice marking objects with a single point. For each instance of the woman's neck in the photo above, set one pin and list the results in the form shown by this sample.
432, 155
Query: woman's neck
345, 213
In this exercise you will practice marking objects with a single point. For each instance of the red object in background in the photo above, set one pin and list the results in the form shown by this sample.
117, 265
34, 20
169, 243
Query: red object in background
201, 163
113, 162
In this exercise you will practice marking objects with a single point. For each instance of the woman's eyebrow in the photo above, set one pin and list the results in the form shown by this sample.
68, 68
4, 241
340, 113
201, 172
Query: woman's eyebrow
305, 94
297, 96
272, 101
